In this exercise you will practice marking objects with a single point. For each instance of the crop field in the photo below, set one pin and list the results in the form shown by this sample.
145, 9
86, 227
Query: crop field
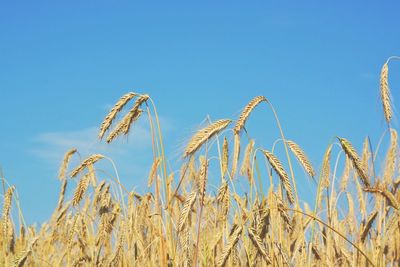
199, 216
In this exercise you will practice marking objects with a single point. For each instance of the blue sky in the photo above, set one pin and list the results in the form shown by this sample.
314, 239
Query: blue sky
63, 64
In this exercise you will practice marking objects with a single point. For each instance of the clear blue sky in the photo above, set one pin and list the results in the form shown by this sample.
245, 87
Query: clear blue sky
62, 65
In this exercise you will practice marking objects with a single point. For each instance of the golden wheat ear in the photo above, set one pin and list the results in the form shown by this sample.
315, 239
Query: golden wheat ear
126, 122
385, 92
258, 244
225, 156
81, 189
7, 201
205, 134
278, 167
187, 206
236, 154
232, 241
301, 157
246, 113
65, 162
352, 154
90, 160
108, 120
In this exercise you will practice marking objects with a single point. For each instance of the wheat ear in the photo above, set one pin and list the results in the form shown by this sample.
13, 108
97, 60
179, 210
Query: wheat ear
236, 153
326, 168
124, 125
90, 160
133, 113
114, 111
81, 189
246, 113
126, 122
245, 169
203, 178
385, 92
153, 171
7, 201
390, 165
205, 134
352, 154
232, 241
392, 201
368, 225
65, 162
225, 156
301, 157
187, 206
277, 166
258, 244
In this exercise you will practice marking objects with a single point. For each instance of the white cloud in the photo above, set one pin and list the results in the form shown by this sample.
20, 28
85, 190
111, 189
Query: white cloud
132, 154
52, 145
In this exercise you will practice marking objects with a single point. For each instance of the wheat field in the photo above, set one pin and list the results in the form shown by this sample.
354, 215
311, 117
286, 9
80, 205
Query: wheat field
353, 219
